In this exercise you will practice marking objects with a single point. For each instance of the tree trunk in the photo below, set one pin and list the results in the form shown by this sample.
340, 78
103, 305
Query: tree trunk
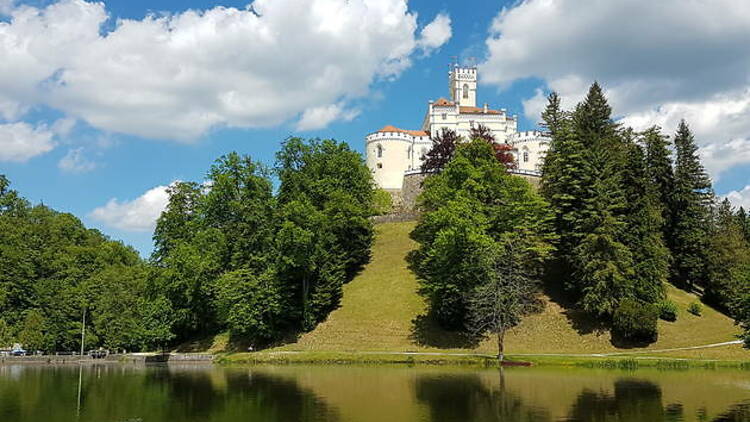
500, 346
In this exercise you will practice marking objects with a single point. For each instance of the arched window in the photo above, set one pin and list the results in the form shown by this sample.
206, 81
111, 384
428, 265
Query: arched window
525, 156
466, 90
408, 153
380, 151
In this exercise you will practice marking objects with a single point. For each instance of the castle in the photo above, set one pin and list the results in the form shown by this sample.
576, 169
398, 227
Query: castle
393, 154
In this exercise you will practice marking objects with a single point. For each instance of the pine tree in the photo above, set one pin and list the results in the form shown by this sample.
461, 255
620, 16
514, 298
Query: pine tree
602, 263
691, 203
553, 117
562, 176
728, 262
744, 221
661, 174
644, 224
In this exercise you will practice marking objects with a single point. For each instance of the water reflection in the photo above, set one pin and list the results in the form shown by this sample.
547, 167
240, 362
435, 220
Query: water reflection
466, 398
633, 400
118, 393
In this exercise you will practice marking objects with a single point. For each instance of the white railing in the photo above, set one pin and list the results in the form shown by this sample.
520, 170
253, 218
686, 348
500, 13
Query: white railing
526, 172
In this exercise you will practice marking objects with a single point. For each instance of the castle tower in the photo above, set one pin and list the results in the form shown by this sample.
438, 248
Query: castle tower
463, 85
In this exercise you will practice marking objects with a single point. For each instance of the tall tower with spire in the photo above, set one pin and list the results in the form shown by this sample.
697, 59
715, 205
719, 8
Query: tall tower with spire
463, 85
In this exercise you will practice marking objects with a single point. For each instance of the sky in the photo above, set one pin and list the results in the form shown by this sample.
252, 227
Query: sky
104, 104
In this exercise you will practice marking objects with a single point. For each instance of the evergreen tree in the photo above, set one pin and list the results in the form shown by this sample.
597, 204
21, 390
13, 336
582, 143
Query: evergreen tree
602, 264
644, 222
743, 219
728, 264
691, 203
562, 186
661, 175
553, 117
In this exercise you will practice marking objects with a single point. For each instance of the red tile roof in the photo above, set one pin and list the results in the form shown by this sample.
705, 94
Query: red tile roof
389, 128
476, 110
443, 102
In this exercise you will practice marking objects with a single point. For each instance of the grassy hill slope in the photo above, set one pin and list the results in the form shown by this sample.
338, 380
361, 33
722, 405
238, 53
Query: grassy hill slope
381, 311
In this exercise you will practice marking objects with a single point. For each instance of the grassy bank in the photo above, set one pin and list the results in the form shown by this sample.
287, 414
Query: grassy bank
381, 314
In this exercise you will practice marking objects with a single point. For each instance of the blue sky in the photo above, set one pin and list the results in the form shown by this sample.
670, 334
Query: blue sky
86, 120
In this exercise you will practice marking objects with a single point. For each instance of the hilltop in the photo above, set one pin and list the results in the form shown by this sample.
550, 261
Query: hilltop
381, 311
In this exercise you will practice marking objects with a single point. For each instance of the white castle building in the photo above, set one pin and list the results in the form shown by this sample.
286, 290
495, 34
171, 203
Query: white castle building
393, 153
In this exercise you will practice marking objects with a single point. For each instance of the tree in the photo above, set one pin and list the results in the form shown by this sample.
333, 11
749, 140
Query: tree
469, 207
324, 233
6, 334
553, 117
728, 265
503, 152
644, 222
440, 154
563, 186
158, 323
661, 175
249, 306
116, 309
511, 270
33, 335
691, 203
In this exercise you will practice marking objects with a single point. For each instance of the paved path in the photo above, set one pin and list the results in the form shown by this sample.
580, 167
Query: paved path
636, 352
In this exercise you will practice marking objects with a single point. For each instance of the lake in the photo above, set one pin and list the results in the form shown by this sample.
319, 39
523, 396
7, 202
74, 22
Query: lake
123, 393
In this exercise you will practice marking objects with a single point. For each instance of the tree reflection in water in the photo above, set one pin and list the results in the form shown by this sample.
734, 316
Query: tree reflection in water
633, 400
464, 397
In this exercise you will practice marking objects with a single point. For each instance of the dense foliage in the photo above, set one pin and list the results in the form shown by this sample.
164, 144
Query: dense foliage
229, 255
54, 269
636, 321
481, 240
630, 216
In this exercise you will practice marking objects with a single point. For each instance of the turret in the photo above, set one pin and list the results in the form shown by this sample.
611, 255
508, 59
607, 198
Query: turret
463, 85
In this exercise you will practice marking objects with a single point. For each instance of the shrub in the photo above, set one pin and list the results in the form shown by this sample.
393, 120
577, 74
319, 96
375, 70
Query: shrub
695, 308
382, 203
636, 321
667, 310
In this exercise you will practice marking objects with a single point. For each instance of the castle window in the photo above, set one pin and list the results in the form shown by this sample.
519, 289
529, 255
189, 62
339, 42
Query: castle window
444, 116
466, 90
380, 152
525, 156
408, 152
380, 165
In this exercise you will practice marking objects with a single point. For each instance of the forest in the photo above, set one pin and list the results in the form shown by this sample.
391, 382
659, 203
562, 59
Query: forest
263, 252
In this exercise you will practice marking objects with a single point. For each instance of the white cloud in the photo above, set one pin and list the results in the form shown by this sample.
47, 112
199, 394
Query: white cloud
21, 141
75, 162
436, 33
177, 76
740, 198
320, 117
139, 214
659, 61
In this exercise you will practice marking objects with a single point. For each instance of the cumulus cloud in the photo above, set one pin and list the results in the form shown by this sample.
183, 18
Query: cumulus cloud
676, 60
21, 141
436, 33
75, 162
320, 117
138, 215
740, 198
176, 76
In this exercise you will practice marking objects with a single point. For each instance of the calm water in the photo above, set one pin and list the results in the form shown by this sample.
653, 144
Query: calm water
314, 393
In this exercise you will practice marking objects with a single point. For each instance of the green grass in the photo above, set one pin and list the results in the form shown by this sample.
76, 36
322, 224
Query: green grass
382, 312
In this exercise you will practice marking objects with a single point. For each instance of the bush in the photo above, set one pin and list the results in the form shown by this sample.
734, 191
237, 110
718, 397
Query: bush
695, 308
382, 203
636, 321
667, 310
